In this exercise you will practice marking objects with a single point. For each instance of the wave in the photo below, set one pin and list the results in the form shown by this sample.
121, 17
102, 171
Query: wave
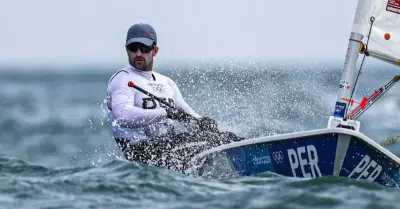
125, 184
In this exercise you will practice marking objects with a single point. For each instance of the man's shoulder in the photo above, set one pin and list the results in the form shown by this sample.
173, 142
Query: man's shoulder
120, 73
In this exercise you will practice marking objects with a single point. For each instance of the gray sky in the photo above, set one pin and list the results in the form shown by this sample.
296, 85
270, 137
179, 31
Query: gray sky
93, 31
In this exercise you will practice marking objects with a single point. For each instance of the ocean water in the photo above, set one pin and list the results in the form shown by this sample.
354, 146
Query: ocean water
57, 152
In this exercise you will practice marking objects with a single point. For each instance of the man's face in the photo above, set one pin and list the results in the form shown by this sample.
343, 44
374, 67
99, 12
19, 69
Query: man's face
141, 56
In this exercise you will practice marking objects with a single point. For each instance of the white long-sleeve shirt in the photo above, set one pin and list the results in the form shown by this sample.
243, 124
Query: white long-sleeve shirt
135, 115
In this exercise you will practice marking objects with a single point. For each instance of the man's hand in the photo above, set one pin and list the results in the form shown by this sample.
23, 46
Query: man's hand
205, 123
208, 124
176, 114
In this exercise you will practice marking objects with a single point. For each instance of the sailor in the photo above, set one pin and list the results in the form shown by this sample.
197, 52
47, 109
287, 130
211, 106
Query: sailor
149, 131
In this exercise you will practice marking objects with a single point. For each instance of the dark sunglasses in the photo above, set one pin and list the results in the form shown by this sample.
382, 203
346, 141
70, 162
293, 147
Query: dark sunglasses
143, 48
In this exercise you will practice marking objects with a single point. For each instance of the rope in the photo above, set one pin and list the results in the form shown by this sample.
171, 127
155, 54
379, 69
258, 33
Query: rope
390, 140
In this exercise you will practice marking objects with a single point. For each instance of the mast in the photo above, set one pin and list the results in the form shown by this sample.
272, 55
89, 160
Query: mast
346, 84
379, 20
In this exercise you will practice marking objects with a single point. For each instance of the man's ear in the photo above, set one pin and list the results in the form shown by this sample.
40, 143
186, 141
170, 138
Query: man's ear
155, 51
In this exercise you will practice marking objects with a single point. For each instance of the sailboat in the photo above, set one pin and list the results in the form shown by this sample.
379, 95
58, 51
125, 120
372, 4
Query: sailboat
340, 149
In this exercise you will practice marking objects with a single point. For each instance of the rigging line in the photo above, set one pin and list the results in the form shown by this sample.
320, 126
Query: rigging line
372, 19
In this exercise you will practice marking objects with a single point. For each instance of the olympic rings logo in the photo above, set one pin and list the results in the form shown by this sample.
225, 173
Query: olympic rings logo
278, 156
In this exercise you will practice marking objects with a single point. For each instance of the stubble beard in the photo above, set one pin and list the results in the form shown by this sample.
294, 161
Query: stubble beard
147, 65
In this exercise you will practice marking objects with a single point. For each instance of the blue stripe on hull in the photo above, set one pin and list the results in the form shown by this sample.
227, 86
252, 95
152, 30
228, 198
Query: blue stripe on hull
312, 156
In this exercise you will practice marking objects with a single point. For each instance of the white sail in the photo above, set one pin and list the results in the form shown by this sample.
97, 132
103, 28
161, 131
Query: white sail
386, 26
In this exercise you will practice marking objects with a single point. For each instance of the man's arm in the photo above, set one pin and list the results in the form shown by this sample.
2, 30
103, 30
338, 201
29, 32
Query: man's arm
205, 123
121, 99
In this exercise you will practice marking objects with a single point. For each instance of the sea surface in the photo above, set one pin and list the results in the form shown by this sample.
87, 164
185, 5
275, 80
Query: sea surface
57, 152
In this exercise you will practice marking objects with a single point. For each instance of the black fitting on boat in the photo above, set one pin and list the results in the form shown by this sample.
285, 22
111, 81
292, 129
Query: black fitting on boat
345, 126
